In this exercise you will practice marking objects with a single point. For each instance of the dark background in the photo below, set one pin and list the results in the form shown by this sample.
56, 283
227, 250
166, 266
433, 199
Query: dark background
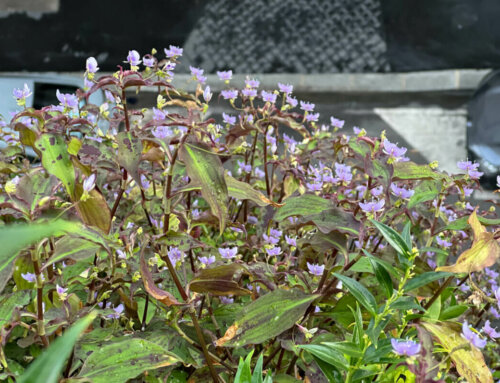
259, 36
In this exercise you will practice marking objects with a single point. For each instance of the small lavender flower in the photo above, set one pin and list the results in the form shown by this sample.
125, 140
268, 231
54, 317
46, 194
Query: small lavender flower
225, 75
497, 296
373, 206
377, 191
29, 277
173, 51
62, 292
307, 106
250, 287
492, 332
274, 251
315, 269
22, 93
393, 150
230, 94
495, 313
196, 71
312, 117
285, 88
432, 264
121, 254
228, 119
89, 183
68, 100
175, 255
259, 173
228, 253
407, 348
470, 168
226, 300
472, 336
252, 83
270, 239
292, 101
207, 261
247, 168
314, 186
335, 122
343, 173
207, 94
401, 192
144, 182
443, 242
158, 114
292, 241
276, 233
268, 96
249, 92
134, 58
252, 220
91, 65
356, 130
148, 61
117, 312
161, 132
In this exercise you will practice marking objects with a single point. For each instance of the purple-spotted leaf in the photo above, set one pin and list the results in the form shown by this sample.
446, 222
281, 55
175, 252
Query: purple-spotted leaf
219, 281
267, 317
484, 252
55, 159
94, 211
468, 360
411, 171
129, 153
205, 169
74, 248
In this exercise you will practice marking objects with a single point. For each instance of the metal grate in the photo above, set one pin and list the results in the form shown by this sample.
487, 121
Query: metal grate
285, 36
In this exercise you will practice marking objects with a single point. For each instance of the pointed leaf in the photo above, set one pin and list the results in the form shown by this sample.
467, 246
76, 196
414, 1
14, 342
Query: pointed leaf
411, 171
74, 248
267, 317
468, 360
393, 238
218, 281
327, 354
424, 279
94, 211
9, 303
383, 277
242, 190
303, 205
56, 161
163, 296
129, 153
360, 292
205, 168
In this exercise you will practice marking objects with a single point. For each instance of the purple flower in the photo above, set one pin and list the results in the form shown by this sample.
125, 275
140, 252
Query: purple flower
246, 118
315, 269
268, 96
29, 277
405, 347
292, 101
470, 168
196, 71
377, 191
226, 300
492, 333
307, 106
144, 182
89, 183
228, 119
230, 94
244, 167
228, 253
336, 122
133, 58
276, 233
121, 254
159, 115
252, 83
443, 242
251, 219
497, 296
207, 94
61, 291
313, 117
472, 336
117, 311
148, 61
225, 75
249, 92
401, 192
495, 313
314, 186
292, 241
274, 251
285, 88
91, 65
173, 51
432, 264
373, 206
109, 96
270, 239
356, 130
68, 100
22, 93
393, 150
175, 255
161, 132
259, 173
343, 173
207, 260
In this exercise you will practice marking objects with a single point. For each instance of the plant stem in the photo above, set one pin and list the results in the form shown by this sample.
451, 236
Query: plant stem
39, 300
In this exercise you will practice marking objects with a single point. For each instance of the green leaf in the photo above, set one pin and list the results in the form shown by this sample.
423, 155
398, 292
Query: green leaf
360, 292
306, 204
257, 371
411, 171
267, 317
129, 154
94, 211
34, 186
74, 248
244, 373
386, 265
393, 238
9, 303
346, 348
14, 238
383, 277
406, 303
332, 373
332, 219
434, 310
327, 354
47, 367
218, 281
56, 161
242, 190
425, 191
423, 279
406, 234
120, 361
205, 168
452, 312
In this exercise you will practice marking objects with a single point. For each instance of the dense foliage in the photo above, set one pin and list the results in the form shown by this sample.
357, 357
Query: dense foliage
254, 247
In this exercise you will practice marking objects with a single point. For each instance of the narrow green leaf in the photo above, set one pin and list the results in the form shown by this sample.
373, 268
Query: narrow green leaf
360, 292
327, 354
331, 372
242, 190
14, 238
74, 248
386, 265
423, 279
9, 303
205, 168
346, 348
393, 238
452, 312
383, 277
406, 234
257, 371
406, 303
244, 372
55, 159
267, 317
411, 171
47, 367
425, 191
306, 204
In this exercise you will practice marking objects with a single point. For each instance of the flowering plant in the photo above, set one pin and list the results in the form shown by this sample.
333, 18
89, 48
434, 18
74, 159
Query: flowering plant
258, 245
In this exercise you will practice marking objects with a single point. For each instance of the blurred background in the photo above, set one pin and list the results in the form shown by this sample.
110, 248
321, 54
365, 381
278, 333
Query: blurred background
408, 67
